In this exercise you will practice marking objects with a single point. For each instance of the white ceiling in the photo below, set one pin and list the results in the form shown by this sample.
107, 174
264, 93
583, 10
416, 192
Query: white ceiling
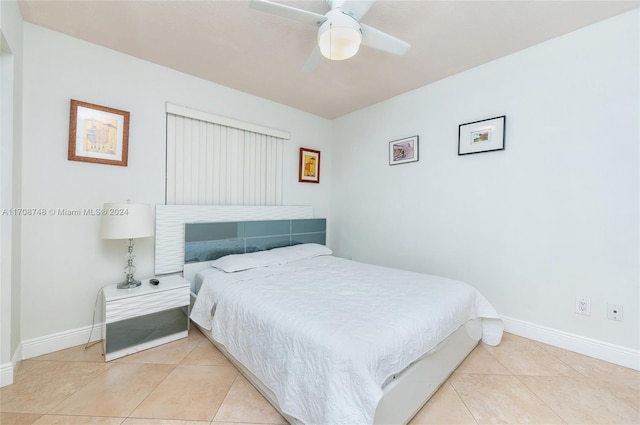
231, 44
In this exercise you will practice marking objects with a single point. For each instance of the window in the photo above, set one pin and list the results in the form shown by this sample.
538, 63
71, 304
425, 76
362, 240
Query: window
215, 160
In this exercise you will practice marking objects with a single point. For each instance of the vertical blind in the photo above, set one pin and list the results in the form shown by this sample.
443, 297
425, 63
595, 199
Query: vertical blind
215, 160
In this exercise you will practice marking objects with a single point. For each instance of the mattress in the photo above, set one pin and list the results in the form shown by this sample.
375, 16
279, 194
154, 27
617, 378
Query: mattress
324, 334
200, 277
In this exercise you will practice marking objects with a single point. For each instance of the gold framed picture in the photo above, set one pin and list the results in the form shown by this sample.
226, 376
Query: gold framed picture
98, 134
309, 166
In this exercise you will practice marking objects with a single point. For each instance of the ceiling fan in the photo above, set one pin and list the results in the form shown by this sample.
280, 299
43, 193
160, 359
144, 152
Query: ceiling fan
340, 32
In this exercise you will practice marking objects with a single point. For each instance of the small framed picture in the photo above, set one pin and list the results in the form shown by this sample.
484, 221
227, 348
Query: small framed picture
482, 136
403, 150
309, 166
98, 134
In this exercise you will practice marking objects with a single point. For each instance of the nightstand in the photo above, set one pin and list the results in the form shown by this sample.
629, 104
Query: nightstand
144, 317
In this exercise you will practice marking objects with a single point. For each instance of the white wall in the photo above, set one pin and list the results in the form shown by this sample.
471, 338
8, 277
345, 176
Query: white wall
553, 216
10, 135
64, 262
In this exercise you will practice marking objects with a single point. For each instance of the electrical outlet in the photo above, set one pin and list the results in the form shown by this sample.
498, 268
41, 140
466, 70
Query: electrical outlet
614, 312
583, 306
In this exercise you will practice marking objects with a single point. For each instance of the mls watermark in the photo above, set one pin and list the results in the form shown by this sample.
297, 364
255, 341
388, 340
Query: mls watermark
34, 212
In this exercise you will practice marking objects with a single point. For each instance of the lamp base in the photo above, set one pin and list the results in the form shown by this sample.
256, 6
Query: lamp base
129, 284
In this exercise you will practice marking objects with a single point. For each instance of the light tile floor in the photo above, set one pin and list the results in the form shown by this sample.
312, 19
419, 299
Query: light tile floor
188, 382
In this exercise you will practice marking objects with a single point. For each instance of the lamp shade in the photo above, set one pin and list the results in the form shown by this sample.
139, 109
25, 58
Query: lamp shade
126, 221
339, 36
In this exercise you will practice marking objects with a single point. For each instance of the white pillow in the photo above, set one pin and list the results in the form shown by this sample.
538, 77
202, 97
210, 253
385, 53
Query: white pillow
300, 252
237, 262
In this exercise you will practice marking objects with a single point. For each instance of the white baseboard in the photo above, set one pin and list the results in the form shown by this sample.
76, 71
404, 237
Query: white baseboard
611, 353
8, 370
6, 374
59, 341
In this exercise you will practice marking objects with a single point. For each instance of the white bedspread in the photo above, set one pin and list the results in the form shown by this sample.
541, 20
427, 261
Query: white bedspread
324, 334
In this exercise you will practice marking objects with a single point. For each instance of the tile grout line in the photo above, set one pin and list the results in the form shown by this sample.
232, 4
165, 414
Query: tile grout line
79, 388
540, 398
527, 387
592, 380
543, 346
153, 389
463, 401
225, 397
175, 366
511, 373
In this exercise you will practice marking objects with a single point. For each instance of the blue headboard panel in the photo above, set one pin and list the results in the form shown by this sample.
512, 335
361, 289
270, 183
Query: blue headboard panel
209, 241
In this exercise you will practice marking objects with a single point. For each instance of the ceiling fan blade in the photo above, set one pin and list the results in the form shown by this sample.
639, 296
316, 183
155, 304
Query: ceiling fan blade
356, 8
315, 59
382, 41
289, 12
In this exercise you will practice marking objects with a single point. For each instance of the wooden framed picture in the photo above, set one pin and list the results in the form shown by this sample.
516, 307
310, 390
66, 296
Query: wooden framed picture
309, 166
403, 150
481, 136
98, 134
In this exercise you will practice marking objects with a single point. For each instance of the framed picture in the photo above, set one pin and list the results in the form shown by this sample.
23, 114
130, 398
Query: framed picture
309, 166
98, 134
404, 150
481, 136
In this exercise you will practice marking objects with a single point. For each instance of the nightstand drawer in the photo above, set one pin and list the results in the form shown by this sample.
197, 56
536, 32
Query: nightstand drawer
134, 306
139, 333
146, 316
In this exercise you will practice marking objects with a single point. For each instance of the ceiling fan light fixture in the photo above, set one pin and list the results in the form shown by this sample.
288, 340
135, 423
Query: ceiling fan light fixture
339, 37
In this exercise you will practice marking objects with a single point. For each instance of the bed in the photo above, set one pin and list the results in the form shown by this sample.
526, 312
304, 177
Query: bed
325, 339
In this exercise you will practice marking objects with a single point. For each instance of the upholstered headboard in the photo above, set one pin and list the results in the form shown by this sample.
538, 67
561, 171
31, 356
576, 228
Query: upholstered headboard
171, 219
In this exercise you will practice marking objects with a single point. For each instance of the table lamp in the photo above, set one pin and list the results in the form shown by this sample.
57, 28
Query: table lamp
127, 221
